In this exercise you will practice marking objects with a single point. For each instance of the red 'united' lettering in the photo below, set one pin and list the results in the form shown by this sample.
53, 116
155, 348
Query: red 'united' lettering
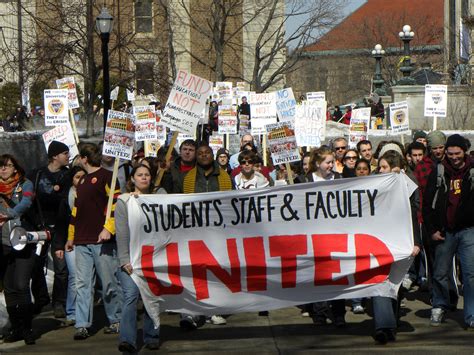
323, 246
256, 264
154, 284
203, 260
288, 247
365, 246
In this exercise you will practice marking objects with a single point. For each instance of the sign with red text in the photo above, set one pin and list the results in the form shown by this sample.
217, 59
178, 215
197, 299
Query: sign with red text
119, 136
69, 84
56, 107
282, 142
186, 102
263, 111
244, 251
64, 135
145, 123
359, 126
227, 121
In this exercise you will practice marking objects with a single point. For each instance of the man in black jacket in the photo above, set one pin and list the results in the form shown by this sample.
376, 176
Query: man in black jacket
448, 210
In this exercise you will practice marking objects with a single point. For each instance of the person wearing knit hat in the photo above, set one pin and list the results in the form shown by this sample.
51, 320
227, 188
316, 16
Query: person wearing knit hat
222, 158
436, 141
456, 140
420, 136
56, 148
390, 146
448, 210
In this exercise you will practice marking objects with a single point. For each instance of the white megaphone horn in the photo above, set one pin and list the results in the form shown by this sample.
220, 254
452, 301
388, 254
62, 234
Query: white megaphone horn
19, 237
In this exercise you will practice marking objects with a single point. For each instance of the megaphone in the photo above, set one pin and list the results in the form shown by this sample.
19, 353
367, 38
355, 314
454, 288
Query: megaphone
19, 237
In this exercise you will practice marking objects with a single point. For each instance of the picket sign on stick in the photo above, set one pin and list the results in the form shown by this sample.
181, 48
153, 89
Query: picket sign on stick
73, 124
264, 148
403, 139
289, 173
167, 158
112, 104
112, 189
435, 123
227, 141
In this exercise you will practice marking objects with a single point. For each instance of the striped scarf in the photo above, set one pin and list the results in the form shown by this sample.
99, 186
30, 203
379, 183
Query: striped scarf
7, 186
189, 185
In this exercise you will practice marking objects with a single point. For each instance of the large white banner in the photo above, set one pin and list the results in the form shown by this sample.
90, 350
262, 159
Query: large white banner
186, 102
244, 251
436, 100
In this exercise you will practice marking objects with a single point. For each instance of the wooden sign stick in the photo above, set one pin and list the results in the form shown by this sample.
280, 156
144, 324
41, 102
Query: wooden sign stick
113, 183
167, 158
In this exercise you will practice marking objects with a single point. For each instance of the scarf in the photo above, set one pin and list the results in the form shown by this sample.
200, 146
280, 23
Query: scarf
189, 185
7, 186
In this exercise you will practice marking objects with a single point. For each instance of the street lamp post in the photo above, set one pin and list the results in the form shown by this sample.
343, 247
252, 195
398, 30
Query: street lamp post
406, 35
104, 27
377, 53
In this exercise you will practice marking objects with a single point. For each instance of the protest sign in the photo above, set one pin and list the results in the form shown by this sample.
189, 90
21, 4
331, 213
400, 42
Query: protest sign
224, 89
436, 100
160, 129
285, 104
152, 146
282, 142
69, 84
130, 95
64, 135
186, 102
227, 121
114, 94
119, 135
216, 142
56, 107
359, 126
310, 123
262, 111
316, 96
145, 123
399, 117
244, 251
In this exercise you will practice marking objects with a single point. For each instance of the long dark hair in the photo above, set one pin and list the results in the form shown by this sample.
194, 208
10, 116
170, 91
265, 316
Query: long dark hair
131, 186
8, 157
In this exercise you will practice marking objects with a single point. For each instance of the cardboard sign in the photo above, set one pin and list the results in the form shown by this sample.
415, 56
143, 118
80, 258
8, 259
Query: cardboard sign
114, 94
145, 123
282, 142
286, 105
436, 100
316, 96
224, 89
64, 135
216, 142
130, 95
359, 126
227, 121
310, 123
56, 107
186, 102
119, 135
399, 119
69, 84
262, 111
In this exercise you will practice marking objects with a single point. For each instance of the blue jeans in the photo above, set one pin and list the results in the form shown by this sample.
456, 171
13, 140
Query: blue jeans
70, 257
462, 244
100, 258
384, 313
128, 324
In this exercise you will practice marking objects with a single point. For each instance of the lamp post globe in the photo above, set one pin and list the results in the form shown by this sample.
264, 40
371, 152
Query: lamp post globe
377, 80
406, 35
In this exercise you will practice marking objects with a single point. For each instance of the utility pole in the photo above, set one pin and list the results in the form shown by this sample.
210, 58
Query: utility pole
21, 80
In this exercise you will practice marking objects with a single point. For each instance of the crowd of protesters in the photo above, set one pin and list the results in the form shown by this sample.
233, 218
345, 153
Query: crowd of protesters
90, 250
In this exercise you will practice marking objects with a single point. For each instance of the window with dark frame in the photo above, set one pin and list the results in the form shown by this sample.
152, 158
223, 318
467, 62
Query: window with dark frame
143, 16
144, 78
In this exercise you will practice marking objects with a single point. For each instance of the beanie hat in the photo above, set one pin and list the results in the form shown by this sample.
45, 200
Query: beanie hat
419, 134
56, 148
456, 140
222, 151
436, 138
390, 146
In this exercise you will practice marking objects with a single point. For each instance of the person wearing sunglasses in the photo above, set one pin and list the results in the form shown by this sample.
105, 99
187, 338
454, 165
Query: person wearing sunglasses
249, 178
340, 148
349, 160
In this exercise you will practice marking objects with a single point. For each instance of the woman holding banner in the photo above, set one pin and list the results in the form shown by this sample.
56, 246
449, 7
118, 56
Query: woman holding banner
386, 309
16, 198
139, 183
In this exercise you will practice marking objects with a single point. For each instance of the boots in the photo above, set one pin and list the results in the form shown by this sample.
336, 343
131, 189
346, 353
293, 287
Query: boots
26, 314
15, 334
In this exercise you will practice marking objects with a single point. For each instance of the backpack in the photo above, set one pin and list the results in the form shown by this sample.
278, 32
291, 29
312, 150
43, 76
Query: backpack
441, 182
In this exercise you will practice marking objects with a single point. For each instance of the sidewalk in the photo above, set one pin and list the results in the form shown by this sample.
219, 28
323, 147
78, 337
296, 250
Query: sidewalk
284, 331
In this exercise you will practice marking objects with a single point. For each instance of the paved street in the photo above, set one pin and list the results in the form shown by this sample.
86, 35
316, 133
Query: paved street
282, 332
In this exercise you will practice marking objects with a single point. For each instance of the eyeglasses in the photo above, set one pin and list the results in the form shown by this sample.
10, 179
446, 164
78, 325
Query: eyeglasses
351, 158
245, 162
340, 148
4, 166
